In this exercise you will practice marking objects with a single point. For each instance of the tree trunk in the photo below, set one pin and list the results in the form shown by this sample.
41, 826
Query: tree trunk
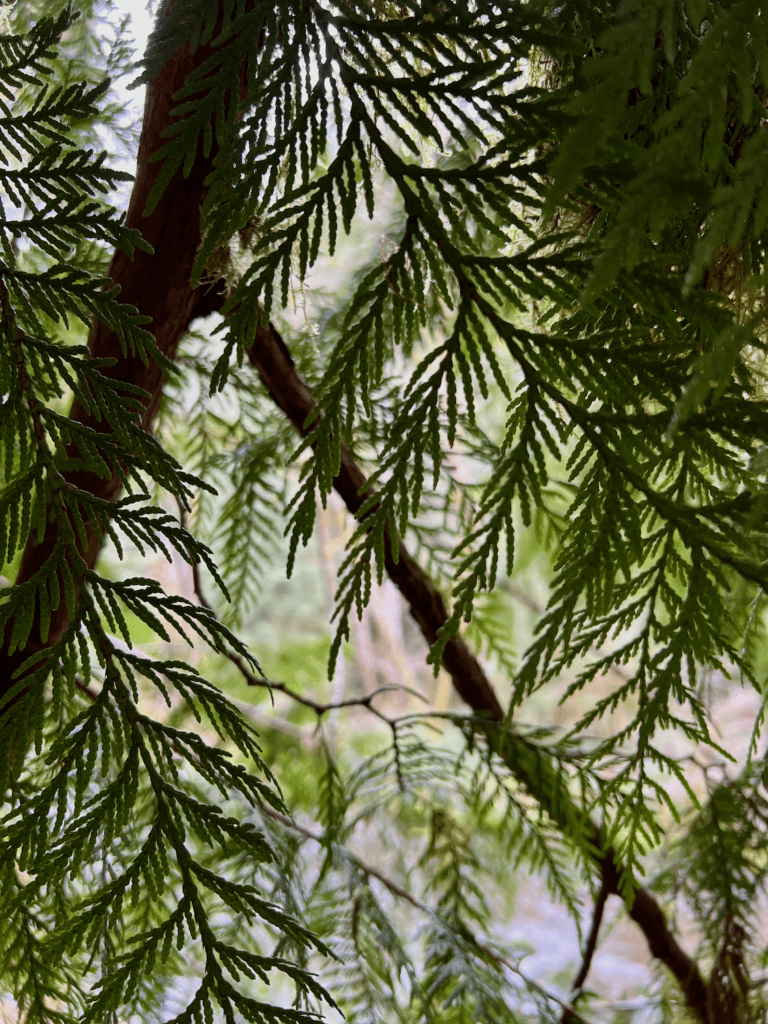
158, 286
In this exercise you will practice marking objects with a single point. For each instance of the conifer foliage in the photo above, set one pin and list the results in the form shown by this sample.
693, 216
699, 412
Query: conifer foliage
580, 234
102, 829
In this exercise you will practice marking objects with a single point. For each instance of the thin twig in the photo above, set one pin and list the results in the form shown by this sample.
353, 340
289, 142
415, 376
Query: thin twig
319, 707
589, 949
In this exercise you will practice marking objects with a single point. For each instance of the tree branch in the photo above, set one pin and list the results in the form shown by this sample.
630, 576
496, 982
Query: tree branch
272, 361
589, 949
319, 707
158, 285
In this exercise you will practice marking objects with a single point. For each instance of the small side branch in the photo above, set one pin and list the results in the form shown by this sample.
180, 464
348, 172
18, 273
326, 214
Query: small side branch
319, 707
589, 950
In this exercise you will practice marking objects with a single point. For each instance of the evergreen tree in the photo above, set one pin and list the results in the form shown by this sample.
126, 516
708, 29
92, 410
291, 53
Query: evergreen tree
577, 232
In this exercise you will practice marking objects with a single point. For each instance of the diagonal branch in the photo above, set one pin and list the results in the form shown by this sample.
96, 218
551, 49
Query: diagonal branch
272, 361
292, 394
319, 707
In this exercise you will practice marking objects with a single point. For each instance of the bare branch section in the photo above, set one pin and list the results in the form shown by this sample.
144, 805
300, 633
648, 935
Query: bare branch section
158, 286
274, 364
272, 361
589, 951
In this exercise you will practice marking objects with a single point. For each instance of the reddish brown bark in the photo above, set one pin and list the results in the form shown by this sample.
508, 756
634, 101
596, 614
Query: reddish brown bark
158, 286
292, 394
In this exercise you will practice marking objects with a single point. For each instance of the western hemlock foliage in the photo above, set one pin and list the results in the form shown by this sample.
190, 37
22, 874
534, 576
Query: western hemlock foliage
570, 301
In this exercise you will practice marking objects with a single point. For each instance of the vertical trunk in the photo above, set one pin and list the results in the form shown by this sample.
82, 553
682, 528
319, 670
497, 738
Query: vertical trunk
158, 286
